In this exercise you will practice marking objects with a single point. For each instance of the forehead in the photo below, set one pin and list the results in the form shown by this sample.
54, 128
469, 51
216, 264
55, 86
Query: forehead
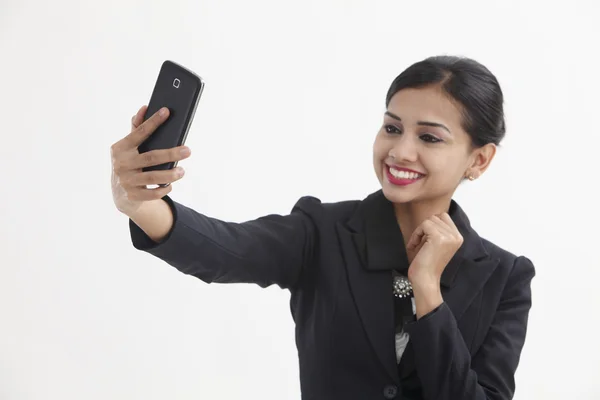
426, 104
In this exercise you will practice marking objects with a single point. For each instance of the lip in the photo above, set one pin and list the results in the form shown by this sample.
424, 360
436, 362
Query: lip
401, 181
403, 169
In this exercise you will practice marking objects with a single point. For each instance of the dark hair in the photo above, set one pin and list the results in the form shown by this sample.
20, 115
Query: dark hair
469, 83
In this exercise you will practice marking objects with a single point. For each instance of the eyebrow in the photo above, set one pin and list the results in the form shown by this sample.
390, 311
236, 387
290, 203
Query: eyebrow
425, 123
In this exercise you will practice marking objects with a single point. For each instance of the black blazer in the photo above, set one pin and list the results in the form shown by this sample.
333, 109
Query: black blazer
337, 260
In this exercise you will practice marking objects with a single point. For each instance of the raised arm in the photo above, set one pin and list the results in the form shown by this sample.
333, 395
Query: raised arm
273, 249
270, 250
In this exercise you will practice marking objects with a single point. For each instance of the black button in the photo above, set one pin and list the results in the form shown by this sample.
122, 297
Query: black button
390, 391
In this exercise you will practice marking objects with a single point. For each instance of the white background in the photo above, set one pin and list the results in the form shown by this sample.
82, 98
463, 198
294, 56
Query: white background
294, 96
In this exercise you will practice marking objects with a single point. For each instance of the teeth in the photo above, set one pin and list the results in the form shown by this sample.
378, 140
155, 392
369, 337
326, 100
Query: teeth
404, 174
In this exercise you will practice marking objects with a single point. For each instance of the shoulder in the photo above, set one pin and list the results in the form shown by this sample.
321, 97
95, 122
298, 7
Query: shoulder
343, 210
320, 211
514, 266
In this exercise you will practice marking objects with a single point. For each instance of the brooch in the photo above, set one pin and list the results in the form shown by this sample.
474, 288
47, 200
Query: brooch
402, 286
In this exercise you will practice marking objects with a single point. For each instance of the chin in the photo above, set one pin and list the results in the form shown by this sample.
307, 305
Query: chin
396, 195
402, 190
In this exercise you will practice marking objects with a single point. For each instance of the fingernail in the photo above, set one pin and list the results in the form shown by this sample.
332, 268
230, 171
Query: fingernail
180, 171
185, 151
163, 111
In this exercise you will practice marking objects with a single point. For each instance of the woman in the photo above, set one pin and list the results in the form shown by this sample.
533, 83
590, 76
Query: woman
394, 296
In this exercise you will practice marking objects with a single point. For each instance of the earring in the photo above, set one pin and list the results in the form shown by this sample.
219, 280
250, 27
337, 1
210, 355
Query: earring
471, 177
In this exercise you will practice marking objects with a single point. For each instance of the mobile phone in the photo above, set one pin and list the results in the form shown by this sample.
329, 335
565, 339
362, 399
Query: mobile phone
179, 89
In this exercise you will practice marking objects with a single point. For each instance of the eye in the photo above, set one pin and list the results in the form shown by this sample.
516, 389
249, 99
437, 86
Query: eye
429, 138
392, 129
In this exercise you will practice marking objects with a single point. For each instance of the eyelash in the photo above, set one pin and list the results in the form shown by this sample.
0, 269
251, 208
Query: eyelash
429, 136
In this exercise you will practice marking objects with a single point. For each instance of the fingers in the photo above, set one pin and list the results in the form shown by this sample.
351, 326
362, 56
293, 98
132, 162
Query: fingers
140, 130
144, 194
445, 218
146, 128
153, 177
130, 182
136, 161
423, 230
415, 240
436, 227
128, 167
442, 225
138, 118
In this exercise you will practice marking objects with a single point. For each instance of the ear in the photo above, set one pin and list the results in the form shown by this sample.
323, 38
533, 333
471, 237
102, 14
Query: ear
481, 159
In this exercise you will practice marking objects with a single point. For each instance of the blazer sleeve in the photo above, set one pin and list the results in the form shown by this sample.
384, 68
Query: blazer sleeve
444, 365
272, 249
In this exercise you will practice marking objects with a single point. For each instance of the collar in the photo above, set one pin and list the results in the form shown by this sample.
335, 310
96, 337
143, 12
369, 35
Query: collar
380, 243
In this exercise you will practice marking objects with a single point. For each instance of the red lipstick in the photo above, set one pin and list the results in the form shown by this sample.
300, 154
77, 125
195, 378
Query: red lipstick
401, 181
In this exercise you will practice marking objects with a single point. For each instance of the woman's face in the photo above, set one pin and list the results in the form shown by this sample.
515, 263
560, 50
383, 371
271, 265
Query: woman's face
421, 152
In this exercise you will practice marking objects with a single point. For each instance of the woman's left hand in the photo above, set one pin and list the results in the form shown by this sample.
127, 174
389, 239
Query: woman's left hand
436, 241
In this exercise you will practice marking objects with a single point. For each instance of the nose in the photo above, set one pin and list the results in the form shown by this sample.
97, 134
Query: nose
404, 149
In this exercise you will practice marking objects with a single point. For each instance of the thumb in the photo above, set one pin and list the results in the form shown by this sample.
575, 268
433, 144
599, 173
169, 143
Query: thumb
416, 238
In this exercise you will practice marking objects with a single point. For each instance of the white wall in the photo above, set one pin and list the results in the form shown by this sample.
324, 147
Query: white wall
294, 94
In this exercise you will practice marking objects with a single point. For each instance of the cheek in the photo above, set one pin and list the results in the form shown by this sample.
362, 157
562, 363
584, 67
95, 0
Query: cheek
379, 154
380, 148
442, 164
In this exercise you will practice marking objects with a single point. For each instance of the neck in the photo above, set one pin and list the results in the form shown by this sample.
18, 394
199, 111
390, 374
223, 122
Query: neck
411, 215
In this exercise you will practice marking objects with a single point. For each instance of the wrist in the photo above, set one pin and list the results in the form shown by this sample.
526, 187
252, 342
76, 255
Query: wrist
148, 207
425, 281
155, 218
427, 294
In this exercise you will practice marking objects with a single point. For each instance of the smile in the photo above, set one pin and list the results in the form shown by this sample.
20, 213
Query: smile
402, 176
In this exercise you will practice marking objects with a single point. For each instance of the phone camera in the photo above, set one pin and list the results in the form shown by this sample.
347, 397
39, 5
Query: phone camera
176, 83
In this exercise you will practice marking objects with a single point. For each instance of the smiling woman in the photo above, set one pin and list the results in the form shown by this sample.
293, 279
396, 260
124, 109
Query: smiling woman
443, 121
394, 296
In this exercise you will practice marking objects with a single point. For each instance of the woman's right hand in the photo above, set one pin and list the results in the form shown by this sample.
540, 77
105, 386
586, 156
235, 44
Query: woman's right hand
128, 180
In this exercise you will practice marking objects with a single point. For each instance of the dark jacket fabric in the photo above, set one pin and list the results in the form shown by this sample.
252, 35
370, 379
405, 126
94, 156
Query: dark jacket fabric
337, 261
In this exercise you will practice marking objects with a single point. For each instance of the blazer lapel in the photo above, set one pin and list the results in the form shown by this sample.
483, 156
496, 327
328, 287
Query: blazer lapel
469, 269
462, 279
374, 300
372, 246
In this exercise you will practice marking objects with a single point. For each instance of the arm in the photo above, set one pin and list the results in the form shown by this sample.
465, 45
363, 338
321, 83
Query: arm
444, 365
273, 249
155, 219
